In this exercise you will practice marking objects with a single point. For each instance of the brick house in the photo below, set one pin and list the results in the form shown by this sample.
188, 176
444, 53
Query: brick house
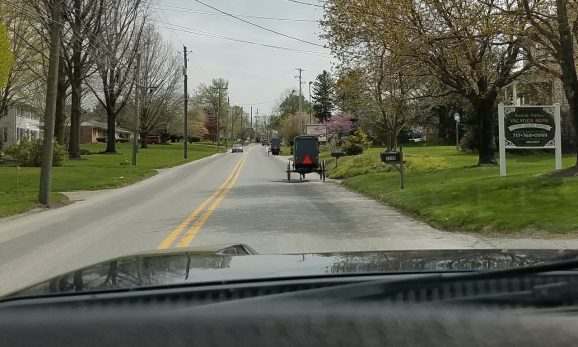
92, 131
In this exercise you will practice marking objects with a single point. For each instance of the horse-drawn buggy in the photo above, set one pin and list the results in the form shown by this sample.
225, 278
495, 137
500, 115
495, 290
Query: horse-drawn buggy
306, 157
274, 147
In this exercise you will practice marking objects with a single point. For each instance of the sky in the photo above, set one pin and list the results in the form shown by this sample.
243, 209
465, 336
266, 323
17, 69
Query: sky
257, 75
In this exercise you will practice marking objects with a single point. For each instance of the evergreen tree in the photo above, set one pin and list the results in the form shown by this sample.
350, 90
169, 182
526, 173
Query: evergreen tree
323, 96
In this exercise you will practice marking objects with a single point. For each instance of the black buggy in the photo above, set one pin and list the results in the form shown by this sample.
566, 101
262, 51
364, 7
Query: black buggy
274, 147
306, 157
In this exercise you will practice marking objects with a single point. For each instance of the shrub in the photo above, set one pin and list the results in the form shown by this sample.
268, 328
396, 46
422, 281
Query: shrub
352, 148
356, 143
29, 153
84, 151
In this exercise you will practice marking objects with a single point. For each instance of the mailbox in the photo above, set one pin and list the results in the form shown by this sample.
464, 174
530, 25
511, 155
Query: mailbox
391, 157
337, 154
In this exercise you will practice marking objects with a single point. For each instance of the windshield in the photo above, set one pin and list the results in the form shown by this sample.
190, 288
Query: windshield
297, 128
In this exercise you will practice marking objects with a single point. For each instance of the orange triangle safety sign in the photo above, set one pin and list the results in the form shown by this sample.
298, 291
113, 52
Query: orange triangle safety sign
307, 160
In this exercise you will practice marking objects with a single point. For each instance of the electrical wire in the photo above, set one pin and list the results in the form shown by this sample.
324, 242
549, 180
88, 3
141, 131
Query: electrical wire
208, 34
190, 10
167, 22
305, 3
259, 26
197, 65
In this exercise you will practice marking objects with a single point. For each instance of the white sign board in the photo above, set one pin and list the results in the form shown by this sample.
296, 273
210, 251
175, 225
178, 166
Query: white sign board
317, 129
529, 127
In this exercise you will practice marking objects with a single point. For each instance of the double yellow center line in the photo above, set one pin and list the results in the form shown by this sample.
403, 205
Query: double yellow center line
215, 198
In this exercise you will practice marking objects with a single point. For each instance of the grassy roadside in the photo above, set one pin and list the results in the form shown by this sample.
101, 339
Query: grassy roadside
446, 190
93, 172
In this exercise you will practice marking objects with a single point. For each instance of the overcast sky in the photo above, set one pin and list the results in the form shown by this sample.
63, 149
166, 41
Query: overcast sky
257, 75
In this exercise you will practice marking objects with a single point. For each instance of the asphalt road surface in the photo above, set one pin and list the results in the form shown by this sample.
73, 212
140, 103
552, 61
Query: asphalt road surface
228, 198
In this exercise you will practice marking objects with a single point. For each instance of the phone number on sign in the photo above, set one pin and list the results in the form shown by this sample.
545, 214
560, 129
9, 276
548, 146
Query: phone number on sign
530, 135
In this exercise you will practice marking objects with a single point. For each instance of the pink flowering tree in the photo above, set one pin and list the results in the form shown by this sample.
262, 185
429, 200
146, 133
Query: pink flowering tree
340, 125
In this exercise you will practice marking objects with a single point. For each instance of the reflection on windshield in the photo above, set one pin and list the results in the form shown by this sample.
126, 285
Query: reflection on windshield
140, 271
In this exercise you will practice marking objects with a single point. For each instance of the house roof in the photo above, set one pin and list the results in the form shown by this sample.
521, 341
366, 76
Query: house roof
102, 125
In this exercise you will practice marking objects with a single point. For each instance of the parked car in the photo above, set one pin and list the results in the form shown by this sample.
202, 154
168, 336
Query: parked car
154, 140
265, 143
237, 148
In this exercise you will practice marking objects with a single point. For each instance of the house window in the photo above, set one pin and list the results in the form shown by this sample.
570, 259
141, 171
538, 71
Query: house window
5, 135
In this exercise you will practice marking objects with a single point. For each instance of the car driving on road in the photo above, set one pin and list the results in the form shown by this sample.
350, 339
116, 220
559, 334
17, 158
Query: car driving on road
237, 148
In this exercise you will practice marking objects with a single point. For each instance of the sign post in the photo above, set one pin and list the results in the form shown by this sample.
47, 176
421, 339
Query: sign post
529, 127
396, 160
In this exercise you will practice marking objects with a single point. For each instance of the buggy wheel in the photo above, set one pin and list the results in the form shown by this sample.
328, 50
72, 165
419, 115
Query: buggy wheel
288, 172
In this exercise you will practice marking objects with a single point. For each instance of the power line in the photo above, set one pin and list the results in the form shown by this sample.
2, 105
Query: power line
198, 67
190, 10
208, 34
167, 22
257, 103
305, 3
259, 26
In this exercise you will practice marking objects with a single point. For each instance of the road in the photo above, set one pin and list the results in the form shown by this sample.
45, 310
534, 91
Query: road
223, 199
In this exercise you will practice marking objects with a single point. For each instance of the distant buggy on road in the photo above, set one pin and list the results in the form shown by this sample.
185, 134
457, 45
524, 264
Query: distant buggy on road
275, 147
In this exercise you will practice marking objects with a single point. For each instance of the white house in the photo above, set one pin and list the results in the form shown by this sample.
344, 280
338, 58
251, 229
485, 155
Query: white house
20, 124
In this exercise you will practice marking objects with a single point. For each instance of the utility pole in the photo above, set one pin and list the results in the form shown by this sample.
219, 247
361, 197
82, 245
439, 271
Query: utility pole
242, 125
251, 133
137, 109
230, 116
300, 95
310, 104
186, 109
218, 119
50, 111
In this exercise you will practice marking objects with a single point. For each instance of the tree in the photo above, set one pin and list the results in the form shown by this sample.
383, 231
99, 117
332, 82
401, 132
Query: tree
26, 67
196, 127
464, 44
84, 23
213, 98
6, 57
114, 53
289, 104
323, 89
160, 76
550, 43
290, 126
351, 93
239, 123
340, 125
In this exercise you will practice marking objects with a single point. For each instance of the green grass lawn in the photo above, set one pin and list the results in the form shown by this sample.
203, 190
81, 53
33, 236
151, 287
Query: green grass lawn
93, 172
447, 190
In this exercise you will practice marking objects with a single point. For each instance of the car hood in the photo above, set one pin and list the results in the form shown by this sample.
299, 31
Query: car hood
240, 262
